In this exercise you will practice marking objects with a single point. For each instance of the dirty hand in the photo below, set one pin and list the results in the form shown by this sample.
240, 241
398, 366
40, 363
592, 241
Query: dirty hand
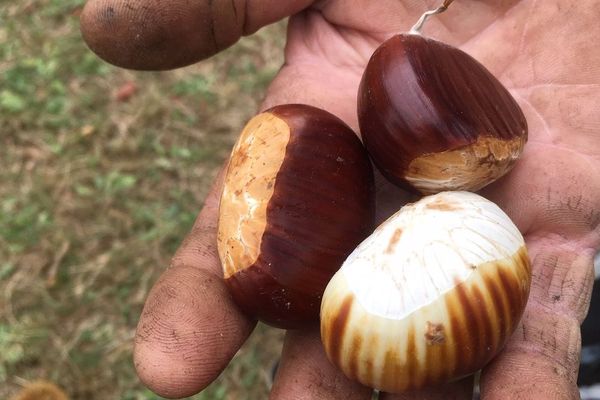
544, 52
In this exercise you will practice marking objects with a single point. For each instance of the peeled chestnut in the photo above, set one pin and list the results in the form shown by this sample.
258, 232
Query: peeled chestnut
431, 296
297, 199
433, 118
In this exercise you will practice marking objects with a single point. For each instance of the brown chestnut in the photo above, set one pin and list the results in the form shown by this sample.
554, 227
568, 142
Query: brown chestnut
433, 118
297, 199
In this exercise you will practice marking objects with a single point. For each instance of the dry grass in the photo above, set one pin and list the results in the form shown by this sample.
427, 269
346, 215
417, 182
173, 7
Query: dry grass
103, 171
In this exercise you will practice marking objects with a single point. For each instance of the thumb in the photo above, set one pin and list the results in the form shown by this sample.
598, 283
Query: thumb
159, 35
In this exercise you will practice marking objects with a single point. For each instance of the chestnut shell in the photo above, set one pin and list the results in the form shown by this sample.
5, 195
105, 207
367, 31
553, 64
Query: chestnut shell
419, 96
321, 207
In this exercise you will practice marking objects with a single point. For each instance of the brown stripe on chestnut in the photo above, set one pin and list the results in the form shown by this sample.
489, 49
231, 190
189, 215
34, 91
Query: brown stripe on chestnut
470, 335
499, 303
354, 354
487, 333
390, 371
520, 282
524, 260
524, 275
510, 287
414, 369
459, 334
394, 240
338, 330
367, 363
405, 375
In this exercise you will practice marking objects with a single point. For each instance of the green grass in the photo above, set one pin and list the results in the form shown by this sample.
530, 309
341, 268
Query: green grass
97, 194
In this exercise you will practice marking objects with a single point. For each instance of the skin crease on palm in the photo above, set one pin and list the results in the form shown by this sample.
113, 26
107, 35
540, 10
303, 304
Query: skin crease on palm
546, 54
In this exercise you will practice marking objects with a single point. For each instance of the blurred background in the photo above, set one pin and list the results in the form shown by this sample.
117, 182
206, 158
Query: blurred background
102, 173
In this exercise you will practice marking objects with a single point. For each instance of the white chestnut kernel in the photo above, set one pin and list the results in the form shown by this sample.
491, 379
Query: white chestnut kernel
431, 296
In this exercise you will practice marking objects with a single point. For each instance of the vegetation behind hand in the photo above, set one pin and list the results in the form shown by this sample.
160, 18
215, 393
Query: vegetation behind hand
103, 171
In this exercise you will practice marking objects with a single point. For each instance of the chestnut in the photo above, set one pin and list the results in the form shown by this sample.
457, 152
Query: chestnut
298, 197
431, 296
433, 118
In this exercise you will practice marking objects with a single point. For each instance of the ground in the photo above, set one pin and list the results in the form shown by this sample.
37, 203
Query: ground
103, 171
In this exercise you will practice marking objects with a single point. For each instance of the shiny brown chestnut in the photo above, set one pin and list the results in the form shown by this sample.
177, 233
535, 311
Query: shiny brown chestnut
433, 118
297, 199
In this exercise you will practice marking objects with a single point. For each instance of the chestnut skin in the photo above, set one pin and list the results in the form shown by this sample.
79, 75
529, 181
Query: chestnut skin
297, 199
434, 119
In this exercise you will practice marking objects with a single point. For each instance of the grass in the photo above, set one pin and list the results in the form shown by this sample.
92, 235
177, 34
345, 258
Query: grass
103, 171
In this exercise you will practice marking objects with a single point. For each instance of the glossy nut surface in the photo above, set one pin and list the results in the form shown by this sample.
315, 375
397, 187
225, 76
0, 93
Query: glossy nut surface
433, 118
298, 198
431, 296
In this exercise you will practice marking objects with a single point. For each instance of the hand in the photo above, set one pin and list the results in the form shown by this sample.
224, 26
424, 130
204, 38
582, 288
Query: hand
544, 52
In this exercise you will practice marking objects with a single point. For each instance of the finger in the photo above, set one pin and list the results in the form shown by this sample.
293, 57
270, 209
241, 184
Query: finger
158, 35
190, 328
541, 359
306, 373
459, 390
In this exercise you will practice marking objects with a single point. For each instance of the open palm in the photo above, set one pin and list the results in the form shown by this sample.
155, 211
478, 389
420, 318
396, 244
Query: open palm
544, 52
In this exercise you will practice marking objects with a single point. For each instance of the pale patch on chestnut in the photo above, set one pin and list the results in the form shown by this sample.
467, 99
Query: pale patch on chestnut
432, 305
248, 188
467, 168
